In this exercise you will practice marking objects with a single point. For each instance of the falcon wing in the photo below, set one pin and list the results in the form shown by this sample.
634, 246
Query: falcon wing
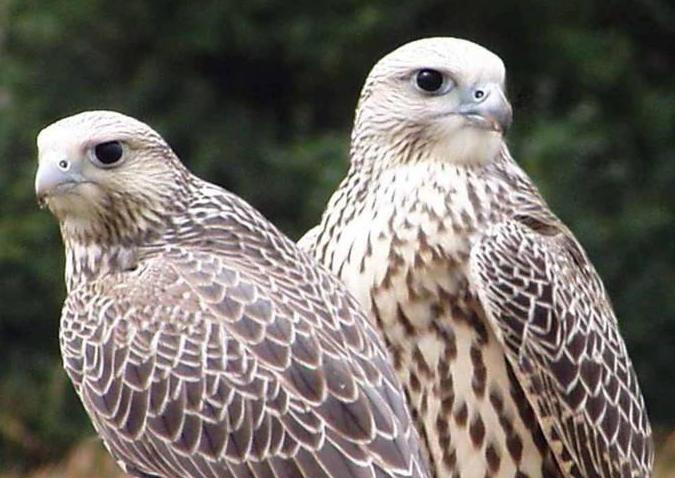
189, 366
549, 309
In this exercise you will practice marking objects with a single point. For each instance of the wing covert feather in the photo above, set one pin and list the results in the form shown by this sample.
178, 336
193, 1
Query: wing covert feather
220, 370
549, 308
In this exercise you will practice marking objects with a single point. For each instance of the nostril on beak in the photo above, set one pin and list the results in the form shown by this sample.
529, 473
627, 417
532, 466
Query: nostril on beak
54, 174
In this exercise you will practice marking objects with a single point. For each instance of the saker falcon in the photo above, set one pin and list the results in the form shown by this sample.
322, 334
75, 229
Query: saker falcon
498, 324
201, 341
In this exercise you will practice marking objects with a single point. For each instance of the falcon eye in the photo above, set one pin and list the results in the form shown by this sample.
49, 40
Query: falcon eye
429, 80
108, 153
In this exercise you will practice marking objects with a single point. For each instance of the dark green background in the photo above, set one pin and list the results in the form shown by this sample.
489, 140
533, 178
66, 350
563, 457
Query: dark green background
258, 96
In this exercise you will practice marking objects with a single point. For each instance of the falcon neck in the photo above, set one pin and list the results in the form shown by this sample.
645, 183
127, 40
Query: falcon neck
371, 157
86, 262
113, 246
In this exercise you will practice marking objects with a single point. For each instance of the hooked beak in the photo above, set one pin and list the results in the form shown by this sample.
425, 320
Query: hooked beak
492, 111
55, 175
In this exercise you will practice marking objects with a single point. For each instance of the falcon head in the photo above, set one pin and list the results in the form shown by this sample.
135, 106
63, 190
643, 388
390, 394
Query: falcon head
106, 176
438, 98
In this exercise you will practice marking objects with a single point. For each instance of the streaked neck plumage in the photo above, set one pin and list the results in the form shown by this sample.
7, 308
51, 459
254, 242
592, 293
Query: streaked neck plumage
112, 241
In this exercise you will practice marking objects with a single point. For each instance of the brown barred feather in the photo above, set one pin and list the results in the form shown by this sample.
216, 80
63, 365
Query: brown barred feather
498, 325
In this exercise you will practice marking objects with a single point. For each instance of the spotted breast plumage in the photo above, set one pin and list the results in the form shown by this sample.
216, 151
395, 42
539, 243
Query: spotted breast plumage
201, 341
496, 321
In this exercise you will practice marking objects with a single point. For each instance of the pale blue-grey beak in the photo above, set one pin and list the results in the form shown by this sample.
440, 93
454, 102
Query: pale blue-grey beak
486, 106
55, 175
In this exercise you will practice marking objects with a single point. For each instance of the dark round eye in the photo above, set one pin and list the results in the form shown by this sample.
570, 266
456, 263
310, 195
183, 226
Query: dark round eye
429, 80
478, 94
108, 153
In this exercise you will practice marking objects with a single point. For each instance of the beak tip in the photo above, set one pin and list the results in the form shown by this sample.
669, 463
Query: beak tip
41, 200
505, 123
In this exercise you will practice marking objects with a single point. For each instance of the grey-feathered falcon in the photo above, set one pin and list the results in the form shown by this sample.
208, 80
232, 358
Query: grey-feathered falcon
203, 342
496, 321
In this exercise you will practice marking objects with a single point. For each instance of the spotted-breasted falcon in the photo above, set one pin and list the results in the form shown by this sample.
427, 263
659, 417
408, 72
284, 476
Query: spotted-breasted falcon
499, 326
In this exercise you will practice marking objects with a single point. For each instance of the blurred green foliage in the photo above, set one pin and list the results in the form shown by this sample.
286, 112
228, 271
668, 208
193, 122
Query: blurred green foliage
258, 96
